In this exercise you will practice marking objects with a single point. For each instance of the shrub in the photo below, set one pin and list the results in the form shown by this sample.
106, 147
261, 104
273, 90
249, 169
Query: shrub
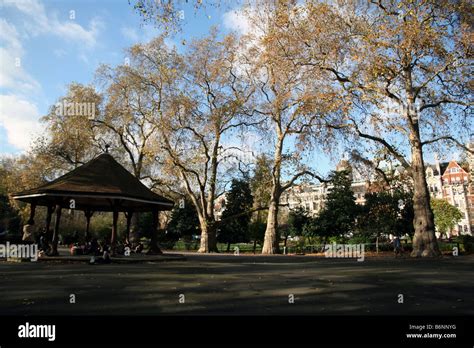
361, 239
467, 242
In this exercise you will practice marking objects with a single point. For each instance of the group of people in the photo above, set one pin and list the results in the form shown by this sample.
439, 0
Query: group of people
43, 239
95, 247
121, 249
90, 247
99, 250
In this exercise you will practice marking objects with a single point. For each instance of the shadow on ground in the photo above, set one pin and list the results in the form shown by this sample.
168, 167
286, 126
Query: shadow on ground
236, 285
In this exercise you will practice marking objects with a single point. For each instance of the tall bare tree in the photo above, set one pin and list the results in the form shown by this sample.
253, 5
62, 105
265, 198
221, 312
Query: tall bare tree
206, 108
404, 69
292, 104
133, 107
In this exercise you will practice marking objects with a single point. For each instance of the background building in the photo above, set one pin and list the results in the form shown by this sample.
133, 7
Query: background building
448, 181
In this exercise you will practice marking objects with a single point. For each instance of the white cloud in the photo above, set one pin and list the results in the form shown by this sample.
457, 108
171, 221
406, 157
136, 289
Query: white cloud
9, 35
12, 74
71, 31
39, 21
32, 8
20, 118
130, 34
236, 20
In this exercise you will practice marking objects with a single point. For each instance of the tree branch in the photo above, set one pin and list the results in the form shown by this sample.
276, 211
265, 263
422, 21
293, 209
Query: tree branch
447, 137
300, 174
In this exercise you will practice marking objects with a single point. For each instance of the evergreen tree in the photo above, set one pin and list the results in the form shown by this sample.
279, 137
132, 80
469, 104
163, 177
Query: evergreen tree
297, 219
337, 218
382, 213
184, 224
235, 224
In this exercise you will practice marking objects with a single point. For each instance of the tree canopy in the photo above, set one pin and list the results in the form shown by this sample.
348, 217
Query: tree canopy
446, 216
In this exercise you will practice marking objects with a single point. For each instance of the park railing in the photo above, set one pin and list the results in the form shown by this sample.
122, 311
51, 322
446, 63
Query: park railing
246, 248
372, 247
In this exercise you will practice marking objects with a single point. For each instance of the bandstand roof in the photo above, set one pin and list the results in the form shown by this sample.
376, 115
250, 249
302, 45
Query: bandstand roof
101, 184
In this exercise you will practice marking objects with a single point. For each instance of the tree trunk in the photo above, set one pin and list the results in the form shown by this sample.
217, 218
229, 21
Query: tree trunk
208, 237
88, 215
54, 242
113, 237
31, 220
270, 244
424, 239
154, 249
129, 216
208, 233
49, 215
134, 231
228, 246
323, 243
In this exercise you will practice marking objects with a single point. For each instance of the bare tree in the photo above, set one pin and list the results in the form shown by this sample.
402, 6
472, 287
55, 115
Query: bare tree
404, 71
133, 105
292, 104
207, 107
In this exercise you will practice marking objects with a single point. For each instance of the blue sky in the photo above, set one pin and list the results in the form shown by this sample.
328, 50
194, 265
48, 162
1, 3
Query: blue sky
45, 45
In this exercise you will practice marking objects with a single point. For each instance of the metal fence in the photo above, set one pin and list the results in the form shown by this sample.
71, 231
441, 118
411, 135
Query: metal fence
300, 249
